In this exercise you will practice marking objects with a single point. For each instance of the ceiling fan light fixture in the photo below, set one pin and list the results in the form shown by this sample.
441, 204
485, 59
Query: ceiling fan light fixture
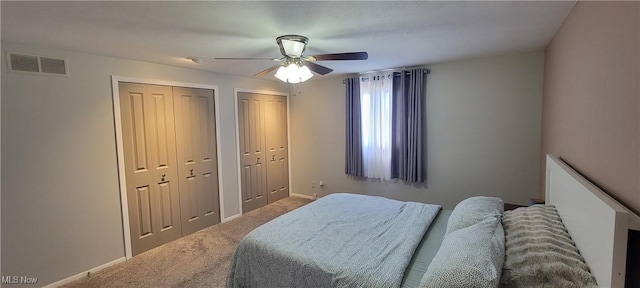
304, 73
293, 48
292, 45
293, 73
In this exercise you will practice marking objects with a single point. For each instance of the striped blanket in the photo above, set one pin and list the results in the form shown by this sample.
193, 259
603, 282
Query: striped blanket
540, 252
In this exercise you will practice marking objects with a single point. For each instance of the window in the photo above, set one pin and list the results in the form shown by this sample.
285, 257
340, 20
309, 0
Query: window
375, 99
384, 127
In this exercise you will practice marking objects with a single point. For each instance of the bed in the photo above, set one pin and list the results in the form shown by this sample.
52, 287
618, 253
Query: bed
348, 240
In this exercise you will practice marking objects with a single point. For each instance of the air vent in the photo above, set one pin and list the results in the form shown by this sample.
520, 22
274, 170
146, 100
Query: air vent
24, 63
52, 65
37, 64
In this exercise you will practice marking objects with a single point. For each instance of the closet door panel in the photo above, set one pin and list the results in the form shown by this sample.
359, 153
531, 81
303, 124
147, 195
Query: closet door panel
187, 152
167, 215
138, 130
192, 199
277, 148
137, 167
210, 202
145, 164
197, 158
143, 207
251, 123
208, 160
165, 170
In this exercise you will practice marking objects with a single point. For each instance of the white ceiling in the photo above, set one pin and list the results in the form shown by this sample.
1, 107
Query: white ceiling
395, 34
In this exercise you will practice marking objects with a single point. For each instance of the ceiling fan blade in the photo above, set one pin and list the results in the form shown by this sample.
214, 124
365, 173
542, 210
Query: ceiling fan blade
265, 71
247, 58
341, 56
318, 68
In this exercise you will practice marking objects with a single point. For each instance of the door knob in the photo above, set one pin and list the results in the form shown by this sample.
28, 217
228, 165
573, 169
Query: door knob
191, 172
273, 157
258, 160
163, 175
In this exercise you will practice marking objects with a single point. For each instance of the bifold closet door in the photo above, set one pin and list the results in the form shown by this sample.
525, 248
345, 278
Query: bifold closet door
253, 171
277, 148
150, 165
197, 158
262, 125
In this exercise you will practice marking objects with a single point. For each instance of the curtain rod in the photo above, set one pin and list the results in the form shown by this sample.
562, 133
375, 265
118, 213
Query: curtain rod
426, 71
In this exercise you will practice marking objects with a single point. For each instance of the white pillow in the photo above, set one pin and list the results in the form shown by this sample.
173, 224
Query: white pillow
469, 257
473, 210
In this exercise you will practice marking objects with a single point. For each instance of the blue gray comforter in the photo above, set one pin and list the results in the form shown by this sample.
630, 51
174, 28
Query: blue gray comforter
341, 240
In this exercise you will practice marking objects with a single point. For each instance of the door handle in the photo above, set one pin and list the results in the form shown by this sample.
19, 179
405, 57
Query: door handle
273, 157
258, 160
191, 172
163, 175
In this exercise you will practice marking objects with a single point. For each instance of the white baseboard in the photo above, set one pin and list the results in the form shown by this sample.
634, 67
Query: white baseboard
302, 196
84, 274
231, 218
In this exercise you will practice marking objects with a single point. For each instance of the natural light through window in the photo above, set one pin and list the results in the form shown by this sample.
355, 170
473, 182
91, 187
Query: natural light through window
375, 99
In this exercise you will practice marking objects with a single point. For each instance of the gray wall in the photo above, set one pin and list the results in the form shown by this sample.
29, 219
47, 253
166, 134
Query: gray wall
483, 134
61, 202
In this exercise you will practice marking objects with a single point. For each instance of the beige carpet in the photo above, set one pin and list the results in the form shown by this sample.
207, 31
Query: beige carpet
197, 260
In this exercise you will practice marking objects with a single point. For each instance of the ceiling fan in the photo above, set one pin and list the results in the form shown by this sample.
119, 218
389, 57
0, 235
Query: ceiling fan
295, 66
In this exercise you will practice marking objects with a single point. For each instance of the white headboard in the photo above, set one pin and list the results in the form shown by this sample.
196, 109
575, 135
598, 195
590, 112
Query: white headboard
597, 223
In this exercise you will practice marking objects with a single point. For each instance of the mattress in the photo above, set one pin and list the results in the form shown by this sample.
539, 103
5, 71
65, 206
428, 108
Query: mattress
427, 248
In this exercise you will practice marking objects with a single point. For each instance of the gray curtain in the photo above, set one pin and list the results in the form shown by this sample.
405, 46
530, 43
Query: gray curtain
353, 149
408, 155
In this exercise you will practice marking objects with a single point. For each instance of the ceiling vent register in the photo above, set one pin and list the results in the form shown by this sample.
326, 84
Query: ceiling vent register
37, 64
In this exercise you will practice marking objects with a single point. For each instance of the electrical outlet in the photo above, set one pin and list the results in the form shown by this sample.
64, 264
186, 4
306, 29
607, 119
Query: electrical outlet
321, 183
315, 196
313, 184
